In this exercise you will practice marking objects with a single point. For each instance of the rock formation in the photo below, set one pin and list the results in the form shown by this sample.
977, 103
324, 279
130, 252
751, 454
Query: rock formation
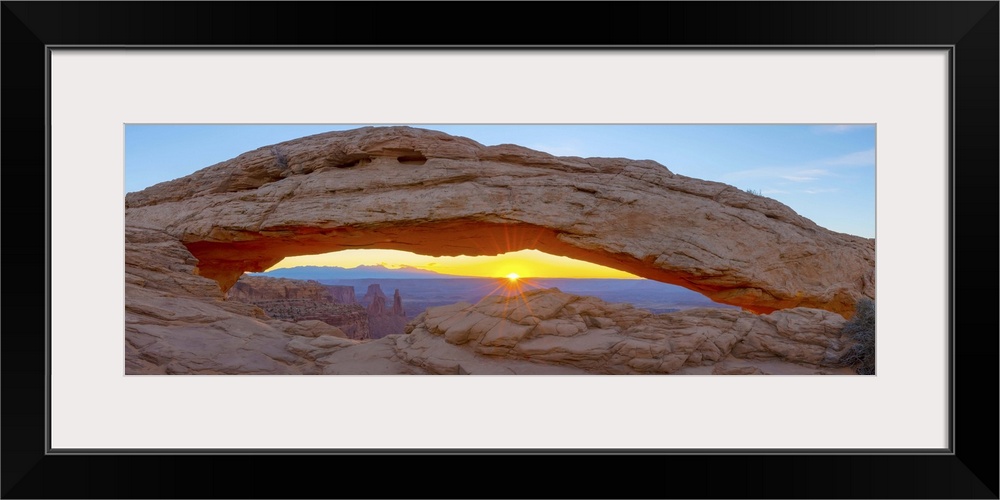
597, 337
342, 294
188, 241
374, 295
546, 332
254, 288
397, 304
383, 320
432, 193
377, 306
302, 300
178, 322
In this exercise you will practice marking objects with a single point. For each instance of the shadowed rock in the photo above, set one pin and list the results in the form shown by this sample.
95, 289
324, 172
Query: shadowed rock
374, 295
397, 304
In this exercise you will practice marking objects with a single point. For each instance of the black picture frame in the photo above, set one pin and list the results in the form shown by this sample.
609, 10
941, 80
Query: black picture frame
968, 470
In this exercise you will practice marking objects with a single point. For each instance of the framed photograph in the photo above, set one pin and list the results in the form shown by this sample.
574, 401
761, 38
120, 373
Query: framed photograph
917, 80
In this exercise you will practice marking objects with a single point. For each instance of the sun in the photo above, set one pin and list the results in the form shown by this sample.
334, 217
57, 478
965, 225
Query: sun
512, 277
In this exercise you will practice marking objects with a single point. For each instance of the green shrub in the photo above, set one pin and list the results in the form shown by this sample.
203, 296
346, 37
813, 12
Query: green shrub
861, 328
755, 192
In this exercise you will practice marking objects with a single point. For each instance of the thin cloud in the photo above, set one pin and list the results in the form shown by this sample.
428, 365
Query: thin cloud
794, 174
807, 175
820, 191
838, 129
799, 178
808, 171
755, 173
856, 159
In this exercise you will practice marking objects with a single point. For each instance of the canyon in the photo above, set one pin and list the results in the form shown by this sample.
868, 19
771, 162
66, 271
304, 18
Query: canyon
304, 300
188, 243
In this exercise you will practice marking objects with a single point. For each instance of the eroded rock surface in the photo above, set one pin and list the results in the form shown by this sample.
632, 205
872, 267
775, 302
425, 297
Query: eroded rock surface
251, 288
188, 241
179, 323
432, 193
374, 300
593, 336
302, 300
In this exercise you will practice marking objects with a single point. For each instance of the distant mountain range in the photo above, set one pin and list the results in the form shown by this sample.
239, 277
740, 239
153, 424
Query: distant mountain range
360, 272
422, 289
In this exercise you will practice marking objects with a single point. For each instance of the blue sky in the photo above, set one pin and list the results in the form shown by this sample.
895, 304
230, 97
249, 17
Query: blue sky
823, 172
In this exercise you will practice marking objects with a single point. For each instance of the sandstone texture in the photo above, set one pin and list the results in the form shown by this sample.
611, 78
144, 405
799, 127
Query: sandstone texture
432, 193
177, 322
188, 242
593, 336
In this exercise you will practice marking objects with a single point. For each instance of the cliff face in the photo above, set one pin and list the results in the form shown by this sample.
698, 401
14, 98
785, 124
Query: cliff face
254, 288
374, 299
300, 300
342, 294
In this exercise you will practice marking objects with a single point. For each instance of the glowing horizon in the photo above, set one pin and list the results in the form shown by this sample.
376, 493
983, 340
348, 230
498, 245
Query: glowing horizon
522, 263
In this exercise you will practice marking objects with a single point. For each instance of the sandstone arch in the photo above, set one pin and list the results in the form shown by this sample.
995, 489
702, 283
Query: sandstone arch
432, 193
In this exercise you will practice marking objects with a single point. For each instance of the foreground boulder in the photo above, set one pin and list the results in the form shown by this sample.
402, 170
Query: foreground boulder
586, 333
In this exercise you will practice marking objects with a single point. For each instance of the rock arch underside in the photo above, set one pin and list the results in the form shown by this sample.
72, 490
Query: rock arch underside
189, 240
